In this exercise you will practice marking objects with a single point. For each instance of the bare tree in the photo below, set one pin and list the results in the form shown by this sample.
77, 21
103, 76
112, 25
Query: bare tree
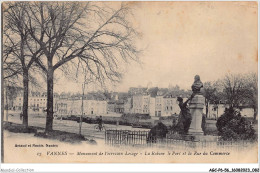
233, 87
11, 73
87, 79
101, 37
11, 66
19, 50
209, 93
252, 92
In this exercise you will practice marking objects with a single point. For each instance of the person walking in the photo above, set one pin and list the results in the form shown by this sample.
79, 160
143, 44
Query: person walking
100, 122
21, 116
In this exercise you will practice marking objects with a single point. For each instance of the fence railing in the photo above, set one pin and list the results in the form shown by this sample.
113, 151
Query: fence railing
126, 137
141, 138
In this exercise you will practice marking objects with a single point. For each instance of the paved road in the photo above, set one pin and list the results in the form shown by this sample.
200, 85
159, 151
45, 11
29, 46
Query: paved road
71, 126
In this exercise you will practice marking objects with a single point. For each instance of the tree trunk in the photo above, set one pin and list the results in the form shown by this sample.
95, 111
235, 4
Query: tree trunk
25, 96
6, 105
49, 118
217, 112
255, 113
82, 107
207, 108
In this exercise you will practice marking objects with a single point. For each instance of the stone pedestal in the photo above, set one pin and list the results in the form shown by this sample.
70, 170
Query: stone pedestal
196, 109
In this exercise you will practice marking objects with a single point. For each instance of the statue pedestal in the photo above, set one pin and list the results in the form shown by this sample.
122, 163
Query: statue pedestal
196, 109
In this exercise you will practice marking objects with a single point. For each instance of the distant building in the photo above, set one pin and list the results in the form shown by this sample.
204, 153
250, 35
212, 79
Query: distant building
128, 105
158, 106
162, 104
141, 103
61, 107
67, 107
37, 101
9, 94
152, 106
111, 106
119, 107
170, 105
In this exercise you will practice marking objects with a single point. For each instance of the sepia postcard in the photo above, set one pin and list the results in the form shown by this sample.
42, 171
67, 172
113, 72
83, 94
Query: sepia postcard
129, 82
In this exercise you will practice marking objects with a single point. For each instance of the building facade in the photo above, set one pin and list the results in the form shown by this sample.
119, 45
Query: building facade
68, 107
141, 103
170, 105
152, 106
37, 101
128, 105
158, 106
111, 106
119, 107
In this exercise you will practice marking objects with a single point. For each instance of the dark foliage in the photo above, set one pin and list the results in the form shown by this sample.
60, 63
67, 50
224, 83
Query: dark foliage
157, 132
232, 126
203, 123
136, 116
62, 136
18, 128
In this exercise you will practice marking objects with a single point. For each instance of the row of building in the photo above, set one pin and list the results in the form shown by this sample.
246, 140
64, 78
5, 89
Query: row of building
37, 101
162, 104
159, 105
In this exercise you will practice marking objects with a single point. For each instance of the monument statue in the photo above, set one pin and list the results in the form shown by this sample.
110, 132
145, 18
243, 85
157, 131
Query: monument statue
185, 115
197, 85
196, 108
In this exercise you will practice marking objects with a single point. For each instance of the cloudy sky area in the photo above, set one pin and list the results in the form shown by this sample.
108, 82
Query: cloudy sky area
182, 39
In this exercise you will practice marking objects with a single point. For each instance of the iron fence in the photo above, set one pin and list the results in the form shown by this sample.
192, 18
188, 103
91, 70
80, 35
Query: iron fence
142, 139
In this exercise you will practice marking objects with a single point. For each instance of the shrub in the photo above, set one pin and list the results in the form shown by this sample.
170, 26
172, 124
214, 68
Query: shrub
232, 126
134, 118
62, 136
18, 128
137, 116
170, 118
157, 132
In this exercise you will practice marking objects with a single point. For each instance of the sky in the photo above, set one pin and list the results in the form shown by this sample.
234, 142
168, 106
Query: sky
182, 39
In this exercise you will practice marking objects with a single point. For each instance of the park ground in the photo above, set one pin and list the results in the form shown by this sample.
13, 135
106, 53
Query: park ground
88, 130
